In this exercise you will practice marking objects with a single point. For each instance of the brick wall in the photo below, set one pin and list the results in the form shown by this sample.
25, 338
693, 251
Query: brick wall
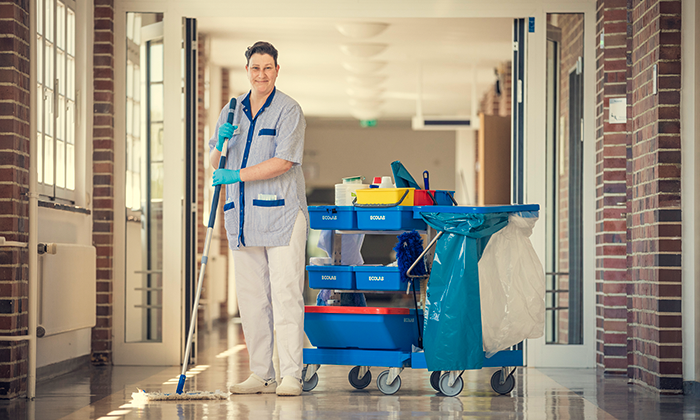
654, 209
103, 176
611, 162
14, 184
638, 216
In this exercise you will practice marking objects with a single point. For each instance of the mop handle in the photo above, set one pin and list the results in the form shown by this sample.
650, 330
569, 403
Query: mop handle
205, 254
222, 164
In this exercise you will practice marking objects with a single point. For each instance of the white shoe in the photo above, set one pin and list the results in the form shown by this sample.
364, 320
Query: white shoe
290, 386
254, 385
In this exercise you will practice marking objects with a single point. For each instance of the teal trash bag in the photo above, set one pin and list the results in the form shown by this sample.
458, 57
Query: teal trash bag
452, 337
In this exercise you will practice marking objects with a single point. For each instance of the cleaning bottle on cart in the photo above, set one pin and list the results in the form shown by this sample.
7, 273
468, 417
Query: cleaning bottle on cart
386, 182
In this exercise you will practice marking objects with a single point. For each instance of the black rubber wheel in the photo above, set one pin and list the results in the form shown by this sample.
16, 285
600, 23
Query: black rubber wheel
507, 385
388, 389
359, 383
311, 383
450, 391
435, 380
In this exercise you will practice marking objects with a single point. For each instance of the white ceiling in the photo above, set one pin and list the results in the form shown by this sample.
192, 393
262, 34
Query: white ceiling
446, 55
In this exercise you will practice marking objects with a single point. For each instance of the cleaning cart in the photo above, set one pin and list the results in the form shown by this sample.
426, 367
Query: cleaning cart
445, 335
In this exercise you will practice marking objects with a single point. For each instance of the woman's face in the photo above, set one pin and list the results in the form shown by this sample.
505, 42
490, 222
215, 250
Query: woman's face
262, 73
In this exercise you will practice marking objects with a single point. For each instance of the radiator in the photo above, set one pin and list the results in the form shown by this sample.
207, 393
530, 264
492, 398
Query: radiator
67, 289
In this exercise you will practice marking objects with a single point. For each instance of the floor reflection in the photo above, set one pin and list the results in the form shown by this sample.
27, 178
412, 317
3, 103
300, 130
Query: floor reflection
104, 393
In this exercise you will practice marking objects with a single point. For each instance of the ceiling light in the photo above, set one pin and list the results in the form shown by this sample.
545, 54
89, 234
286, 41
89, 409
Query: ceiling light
361, 29
366, 79
366, 102
363, 66
362, 92
362, 50
362, 114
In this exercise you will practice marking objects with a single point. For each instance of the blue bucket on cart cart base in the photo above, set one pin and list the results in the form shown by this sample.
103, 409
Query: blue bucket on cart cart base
361, 327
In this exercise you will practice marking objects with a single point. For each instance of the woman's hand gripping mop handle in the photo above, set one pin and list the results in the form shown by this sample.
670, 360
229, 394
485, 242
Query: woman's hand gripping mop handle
207, 241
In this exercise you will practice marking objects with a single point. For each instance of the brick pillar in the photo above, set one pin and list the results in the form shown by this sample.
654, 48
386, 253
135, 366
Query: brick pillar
611, 198
103, 176
654, 217
14, 184
202, 143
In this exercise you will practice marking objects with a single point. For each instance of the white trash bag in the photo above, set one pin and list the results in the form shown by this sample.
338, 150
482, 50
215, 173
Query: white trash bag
512, 286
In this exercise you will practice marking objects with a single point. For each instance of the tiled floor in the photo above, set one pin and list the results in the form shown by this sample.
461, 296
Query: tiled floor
105, 393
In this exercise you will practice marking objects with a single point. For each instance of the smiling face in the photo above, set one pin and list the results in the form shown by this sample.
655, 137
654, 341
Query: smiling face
262, 73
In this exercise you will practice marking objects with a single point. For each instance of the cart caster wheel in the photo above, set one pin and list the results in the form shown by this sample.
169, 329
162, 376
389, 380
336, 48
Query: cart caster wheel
450, 391
359, 383
311, 383
504, 388
388, 389
435, 380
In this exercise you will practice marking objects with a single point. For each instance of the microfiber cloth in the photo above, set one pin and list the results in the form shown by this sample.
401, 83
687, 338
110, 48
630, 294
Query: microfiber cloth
402, 178
408, 249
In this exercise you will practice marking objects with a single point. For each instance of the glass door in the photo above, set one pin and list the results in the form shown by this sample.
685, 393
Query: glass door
565, 343
148, 287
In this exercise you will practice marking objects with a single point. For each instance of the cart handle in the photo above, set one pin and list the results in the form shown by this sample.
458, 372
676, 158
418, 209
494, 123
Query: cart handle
425, 251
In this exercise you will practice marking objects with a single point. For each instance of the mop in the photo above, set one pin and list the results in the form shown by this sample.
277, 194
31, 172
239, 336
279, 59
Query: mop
179, 395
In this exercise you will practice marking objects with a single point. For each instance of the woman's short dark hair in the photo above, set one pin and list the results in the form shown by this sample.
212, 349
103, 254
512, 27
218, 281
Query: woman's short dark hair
261, 47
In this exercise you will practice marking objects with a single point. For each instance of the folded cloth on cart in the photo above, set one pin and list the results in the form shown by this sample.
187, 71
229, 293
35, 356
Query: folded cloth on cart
452, 337
512, 281
328, 297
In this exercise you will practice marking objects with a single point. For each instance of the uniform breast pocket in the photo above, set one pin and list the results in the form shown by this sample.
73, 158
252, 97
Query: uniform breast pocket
269, 215
267, 132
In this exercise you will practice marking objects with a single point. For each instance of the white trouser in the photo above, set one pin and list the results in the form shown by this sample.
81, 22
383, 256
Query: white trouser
270, 287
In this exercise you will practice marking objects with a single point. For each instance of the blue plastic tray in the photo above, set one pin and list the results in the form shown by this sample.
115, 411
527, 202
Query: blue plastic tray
331, 277
390, 218
332, 217
368, 277
359, 328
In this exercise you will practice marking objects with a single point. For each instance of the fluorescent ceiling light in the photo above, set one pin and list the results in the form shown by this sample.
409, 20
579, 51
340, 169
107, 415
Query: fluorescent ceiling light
366, 79
362, 50
361, 29
366, 93
363, 67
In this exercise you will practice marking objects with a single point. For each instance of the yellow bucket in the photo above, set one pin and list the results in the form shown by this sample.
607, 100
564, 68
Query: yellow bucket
385, 196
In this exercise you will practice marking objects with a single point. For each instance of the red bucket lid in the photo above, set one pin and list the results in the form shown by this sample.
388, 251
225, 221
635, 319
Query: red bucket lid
360, 310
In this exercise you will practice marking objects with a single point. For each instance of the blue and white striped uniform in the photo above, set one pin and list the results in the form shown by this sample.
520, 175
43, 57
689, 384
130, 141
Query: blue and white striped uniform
262, 213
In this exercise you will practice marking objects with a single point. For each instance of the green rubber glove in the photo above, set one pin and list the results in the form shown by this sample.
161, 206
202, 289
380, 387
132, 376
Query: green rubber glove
225, 132
226, 176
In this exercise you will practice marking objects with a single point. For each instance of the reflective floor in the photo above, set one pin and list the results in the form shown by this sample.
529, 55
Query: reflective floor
104, 393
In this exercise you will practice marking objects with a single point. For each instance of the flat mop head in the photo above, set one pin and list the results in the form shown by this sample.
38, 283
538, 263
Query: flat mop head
143, 397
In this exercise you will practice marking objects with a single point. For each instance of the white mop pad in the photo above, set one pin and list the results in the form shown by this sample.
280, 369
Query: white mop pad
143, 397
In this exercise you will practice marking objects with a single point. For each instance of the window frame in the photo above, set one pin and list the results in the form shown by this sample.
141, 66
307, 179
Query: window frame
62, 95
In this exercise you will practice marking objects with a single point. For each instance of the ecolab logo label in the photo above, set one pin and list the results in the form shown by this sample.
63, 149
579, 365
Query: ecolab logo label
329, 217
382, 217
408, 319
327, 277
376, 278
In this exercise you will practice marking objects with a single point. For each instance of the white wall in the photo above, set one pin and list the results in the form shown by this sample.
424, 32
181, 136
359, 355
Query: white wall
61, 226
334, 149
465, 174
690, 182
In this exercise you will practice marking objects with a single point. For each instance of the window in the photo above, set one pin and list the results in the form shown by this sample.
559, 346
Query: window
56, 98
133, 112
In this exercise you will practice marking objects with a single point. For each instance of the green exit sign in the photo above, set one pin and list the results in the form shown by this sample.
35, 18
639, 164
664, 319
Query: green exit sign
368, 123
